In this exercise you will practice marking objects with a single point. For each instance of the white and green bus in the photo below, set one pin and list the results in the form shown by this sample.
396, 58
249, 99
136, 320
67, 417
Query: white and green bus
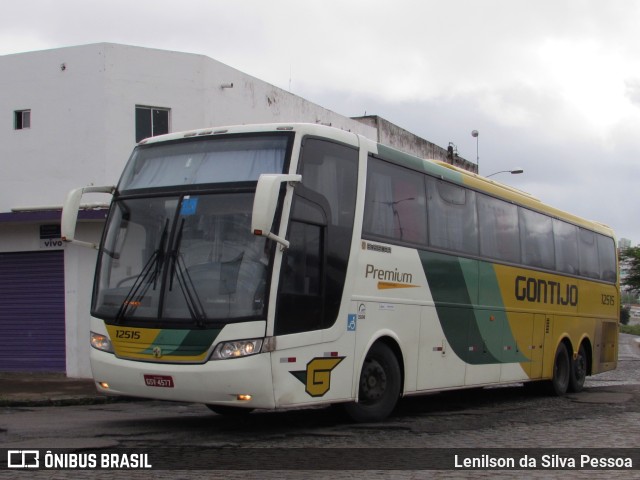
275, 266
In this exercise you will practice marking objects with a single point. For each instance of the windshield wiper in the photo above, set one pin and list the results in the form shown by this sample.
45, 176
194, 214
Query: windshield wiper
187, 287
149, 275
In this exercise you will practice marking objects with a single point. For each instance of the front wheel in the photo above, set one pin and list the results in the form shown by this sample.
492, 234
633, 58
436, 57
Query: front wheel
379, 388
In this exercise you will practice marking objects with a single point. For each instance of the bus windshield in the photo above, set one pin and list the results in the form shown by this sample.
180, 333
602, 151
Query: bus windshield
178, 245
182, 258
204, 160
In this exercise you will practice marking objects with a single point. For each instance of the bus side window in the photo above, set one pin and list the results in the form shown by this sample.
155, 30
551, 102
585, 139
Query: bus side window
395, 203
536, 239
453, 222
499, 231
607, 257
588, 254
304, 262
566, 243
300, 306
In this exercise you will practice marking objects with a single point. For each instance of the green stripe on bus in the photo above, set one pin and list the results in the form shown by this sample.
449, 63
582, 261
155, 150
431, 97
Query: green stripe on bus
183, 342
197, 342
477, 335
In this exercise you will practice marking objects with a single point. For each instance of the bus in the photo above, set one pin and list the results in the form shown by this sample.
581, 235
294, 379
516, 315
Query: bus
290, 265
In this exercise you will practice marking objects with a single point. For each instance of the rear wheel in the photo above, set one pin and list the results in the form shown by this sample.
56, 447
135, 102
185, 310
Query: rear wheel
578, 371
379, 388
561, 371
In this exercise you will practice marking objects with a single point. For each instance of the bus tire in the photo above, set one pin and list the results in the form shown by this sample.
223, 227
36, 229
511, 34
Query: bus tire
578, 371
561, 371
379, 387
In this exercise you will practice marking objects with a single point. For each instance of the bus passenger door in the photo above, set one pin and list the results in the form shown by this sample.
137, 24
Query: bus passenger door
306, 368
313, 361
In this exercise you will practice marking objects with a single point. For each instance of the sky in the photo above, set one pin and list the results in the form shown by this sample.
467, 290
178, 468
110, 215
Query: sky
552, 86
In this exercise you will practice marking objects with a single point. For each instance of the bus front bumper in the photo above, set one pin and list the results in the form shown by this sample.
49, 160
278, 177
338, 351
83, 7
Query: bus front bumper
242, 382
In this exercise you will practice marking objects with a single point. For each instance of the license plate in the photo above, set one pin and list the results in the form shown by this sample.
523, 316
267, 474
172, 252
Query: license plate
158, 381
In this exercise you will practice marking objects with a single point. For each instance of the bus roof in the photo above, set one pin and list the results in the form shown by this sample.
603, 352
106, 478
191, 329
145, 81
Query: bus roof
305, 128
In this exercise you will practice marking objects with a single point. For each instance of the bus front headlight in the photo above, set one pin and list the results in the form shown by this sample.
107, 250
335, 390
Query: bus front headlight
101, 342
237, 348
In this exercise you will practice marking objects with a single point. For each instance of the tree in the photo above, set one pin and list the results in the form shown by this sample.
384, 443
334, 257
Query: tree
630, 266
625, 315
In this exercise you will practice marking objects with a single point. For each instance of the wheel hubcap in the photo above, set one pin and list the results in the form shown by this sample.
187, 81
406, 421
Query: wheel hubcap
373, 383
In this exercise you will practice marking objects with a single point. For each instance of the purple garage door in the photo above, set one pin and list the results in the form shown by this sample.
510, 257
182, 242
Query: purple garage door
32, 311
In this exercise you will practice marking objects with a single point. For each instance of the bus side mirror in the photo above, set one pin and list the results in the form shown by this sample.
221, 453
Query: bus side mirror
70, 213
265, 203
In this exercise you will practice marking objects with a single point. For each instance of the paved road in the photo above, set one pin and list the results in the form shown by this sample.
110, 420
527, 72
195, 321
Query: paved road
606, 414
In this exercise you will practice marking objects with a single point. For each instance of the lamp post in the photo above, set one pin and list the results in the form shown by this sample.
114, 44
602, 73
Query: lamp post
475, 135
517, 171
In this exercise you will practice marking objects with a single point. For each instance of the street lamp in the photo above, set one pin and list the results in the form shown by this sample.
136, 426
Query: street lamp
517, 171
475, 134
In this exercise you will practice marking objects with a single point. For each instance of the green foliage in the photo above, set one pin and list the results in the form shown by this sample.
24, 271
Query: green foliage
625, 315
631, 329
630, 265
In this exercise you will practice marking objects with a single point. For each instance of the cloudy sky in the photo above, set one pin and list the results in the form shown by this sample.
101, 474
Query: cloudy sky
553, 86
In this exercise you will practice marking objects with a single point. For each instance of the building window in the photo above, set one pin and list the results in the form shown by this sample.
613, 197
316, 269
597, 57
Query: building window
21, 119
151, 121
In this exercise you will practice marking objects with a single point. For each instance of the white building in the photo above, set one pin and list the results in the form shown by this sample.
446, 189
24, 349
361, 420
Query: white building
71, 118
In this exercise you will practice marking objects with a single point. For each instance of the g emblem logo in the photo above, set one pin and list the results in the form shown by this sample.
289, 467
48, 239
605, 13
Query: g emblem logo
157, 352
317, 376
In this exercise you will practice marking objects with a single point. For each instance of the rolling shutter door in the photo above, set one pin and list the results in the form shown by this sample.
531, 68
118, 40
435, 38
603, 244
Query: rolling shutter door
32, 328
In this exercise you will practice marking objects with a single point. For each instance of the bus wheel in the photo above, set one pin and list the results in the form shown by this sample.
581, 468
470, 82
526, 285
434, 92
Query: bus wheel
561, 371
578, 371
229, 411
380, 384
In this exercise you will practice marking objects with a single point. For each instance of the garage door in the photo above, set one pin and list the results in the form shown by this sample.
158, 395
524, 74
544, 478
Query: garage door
32, 311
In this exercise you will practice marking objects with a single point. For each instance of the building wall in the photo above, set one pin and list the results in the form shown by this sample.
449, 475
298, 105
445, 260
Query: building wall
19, 237
42, 162
401, 139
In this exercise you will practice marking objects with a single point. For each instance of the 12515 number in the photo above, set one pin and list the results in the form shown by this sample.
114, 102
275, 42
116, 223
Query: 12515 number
608, 299
128, 334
